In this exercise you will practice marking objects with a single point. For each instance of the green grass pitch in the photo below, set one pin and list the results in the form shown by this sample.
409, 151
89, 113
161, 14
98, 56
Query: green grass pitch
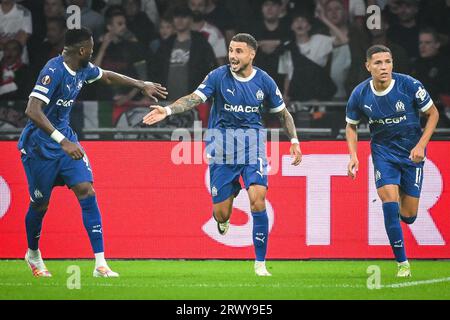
226, 280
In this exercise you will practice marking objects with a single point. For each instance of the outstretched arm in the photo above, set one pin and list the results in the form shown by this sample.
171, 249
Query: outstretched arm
352, 141
287, 122
150, 89
181, 105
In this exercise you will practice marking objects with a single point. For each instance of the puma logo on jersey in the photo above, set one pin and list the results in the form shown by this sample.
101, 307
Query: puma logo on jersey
52, 69
231, 91
367, 107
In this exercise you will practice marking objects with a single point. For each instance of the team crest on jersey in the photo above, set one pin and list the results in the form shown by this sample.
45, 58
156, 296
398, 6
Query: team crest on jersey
38, 194
214, 191
46, 80
260, 95
400, 106
377, 175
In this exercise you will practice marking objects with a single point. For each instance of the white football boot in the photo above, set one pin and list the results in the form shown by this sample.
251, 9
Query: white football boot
404, 270
104, 272
260, 269
36, 264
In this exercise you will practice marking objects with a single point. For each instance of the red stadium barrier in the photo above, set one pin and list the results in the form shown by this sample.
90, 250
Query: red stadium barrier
153, 208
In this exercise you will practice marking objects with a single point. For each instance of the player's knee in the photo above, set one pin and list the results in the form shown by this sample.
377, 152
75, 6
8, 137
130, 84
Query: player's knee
39, 207
388, 198
257, 204
408, 217
84, 190
221, 215
408, 220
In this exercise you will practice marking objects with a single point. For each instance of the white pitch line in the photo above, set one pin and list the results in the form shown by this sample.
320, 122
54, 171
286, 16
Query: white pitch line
193, 285
227, 285
415, 283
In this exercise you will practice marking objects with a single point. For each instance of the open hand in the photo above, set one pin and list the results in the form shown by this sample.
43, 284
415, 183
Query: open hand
154, 90
156, 115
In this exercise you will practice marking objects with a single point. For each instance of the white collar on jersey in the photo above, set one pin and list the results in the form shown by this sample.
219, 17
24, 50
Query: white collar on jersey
250, 77
73, 73
382, 93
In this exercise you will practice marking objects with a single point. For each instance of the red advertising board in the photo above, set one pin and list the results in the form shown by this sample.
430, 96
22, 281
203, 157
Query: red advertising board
154, 208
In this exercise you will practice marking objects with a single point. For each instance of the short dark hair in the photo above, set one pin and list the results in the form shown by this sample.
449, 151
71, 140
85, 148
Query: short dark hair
278, 2
138, 2
376, 49
301, 14
182, 11
247, 38
432, 31
73, 37
114, 12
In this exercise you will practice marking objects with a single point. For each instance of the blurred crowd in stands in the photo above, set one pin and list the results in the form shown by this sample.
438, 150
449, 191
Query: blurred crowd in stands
314, 49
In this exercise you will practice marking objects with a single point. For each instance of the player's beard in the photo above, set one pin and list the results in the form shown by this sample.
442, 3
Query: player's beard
242, 68
84, 62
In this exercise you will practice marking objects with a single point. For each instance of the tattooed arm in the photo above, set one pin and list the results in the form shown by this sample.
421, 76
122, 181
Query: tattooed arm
181, 105
184, 104
287, 122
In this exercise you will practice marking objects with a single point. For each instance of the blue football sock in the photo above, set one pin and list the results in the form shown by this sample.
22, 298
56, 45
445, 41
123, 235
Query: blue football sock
394, 230
33, 225
92, 222
408, 220
260, 234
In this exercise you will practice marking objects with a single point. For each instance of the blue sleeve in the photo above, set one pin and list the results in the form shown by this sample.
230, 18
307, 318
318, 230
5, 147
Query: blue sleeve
93, 73
208, 87
353, 111
422, 99
47, 82
274, 96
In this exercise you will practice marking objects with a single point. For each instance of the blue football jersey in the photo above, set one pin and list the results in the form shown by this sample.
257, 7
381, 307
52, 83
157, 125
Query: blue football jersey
238, 103
58, 86
393, 114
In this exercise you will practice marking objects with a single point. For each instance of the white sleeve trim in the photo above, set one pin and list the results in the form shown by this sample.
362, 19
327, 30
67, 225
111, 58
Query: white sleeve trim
427, 106
201, 95
351, 121
277, 109
40, 97
100, 74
